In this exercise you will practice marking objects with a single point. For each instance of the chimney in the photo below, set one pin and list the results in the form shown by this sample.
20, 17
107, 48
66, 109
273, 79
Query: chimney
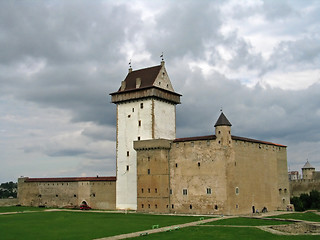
138, 82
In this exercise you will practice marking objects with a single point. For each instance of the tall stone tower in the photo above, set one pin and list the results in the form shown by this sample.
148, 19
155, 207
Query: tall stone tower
146, 104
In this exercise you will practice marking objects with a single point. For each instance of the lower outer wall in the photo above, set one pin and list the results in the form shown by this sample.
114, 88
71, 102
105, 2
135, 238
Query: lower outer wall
98, 195
9, 202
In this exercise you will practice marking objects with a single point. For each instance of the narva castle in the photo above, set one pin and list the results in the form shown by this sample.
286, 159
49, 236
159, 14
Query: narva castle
157, 172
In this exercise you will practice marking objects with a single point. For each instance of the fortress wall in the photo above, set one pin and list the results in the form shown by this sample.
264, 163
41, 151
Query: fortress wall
303, 186
98, 194
256, 172
199, 167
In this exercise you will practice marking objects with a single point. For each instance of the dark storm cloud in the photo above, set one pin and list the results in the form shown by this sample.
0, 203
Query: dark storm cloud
70, 55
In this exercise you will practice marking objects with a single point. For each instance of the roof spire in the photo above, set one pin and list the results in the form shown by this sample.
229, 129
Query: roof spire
162, 59
130, 67
222, 120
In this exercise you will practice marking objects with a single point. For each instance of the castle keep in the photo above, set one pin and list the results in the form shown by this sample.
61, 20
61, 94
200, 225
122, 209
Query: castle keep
156, 172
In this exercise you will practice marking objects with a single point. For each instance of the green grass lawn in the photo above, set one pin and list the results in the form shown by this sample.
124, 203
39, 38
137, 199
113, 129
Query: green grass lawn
20, 209
224, 233
241, 221
308, 216
80, 225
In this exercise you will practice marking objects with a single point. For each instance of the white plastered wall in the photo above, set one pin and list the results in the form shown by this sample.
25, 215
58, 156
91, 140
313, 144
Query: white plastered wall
129, 131
163, 115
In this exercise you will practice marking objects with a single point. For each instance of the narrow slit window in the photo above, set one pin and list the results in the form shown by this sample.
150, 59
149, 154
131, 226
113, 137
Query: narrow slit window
141, 105
128, 153
148, 171
139, 123
141, 190
127, 167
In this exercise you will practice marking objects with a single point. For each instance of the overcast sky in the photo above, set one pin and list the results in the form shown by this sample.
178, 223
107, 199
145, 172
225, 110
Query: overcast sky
59, 60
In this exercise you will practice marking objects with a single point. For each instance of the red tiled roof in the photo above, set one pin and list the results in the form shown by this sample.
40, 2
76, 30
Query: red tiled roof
209, 137
213, 137
256, 141
71, 179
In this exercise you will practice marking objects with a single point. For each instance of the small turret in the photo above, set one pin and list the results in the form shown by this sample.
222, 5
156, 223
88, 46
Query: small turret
307, 171
223, 130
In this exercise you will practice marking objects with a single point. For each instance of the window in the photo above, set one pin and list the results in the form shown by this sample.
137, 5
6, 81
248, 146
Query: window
172, 206
93, 194
132, 109
75, 195
141, 105
148, 190
285, 190
170, 191
149, 159
190, 206
57, 195
280, 190
185, 191
176, 164
219, 132
127, 167
129, 116
39, 196
139, 123
208, 190
148, 205
128, 154
148, 171
198, 164
138, 138
142, 190
155, 190
237, 206
156, 206
142, 205
237, 190
216, 207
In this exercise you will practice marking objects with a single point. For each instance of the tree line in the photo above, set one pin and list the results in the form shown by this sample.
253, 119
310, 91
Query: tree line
8, 189
307, 201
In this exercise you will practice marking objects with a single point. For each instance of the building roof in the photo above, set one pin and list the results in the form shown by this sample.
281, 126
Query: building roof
213, 137
147, 76
71, 179
307, 165
222, 121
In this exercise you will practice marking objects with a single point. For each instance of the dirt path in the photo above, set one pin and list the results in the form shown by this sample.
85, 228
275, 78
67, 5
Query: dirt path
163, 229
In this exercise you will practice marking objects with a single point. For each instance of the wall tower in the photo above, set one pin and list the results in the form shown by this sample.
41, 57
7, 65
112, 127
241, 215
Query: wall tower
146, 110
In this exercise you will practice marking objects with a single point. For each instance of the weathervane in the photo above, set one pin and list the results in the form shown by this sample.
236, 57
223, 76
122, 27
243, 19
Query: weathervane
162, 58
130, 64
221, 109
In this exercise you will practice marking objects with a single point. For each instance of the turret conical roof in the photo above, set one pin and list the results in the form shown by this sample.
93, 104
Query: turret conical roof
222, 121
307, 165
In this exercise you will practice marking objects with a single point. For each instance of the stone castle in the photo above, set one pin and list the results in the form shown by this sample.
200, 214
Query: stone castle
310, 180
157, 172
